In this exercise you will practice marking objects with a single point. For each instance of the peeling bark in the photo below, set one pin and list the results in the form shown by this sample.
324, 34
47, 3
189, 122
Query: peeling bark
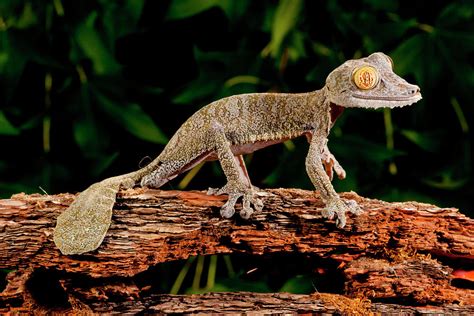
400, 253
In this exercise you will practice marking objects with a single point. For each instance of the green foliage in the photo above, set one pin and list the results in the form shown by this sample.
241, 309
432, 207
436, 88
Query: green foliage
6, 128
300, 284
87, 89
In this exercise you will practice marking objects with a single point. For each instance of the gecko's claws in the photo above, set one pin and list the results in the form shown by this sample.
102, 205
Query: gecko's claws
338, 208
212, 191
228, 209
354, 208
327, 213
247, 210
235, 192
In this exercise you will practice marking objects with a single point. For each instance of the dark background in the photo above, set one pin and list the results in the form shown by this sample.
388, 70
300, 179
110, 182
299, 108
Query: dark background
90, 88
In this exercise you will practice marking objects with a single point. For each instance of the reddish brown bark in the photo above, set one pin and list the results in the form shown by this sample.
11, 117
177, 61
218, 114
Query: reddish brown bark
402, 253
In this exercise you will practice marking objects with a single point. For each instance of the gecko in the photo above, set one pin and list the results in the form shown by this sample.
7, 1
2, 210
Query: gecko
231, 127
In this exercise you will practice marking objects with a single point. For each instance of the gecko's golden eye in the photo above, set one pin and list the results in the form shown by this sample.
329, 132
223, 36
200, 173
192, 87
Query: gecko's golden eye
365, 77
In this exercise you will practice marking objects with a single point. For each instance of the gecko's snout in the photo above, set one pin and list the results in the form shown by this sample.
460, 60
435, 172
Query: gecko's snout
413, 89
407, 90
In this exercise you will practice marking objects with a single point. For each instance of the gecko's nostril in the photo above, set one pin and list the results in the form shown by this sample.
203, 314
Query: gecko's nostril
414, 90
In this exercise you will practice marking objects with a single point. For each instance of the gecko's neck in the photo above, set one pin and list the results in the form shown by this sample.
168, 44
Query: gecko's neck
322, 100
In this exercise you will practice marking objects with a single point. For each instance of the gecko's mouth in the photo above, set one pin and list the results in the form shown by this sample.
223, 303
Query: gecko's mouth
415, 97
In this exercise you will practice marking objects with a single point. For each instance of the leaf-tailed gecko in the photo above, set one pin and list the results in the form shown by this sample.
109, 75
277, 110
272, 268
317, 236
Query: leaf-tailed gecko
231, 127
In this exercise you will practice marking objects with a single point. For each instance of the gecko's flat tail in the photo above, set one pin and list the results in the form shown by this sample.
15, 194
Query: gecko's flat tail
82, 227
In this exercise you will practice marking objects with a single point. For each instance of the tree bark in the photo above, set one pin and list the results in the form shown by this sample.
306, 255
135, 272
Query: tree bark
394, 256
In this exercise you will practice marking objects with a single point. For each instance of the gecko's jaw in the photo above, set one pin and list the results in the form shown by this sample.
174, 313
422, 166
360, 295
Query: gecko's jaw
402, 98
375, 102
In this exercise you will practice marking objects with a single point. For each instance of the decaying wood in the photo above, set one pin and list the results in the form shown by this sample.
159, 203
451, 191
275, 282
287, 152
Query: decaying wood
398, 253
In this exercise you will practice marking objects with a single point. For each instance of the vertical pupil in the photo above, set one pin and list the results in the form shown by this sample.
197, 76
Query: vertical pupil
366, 79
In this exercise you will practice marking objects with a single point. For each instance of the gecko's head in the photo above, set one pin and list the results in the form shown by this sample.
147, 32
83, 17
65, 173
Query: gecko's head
370, 83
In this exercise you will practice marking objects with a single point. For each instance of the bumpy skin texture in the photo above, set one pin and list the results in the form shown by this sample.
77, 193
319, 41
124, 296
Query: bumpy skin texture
228, 128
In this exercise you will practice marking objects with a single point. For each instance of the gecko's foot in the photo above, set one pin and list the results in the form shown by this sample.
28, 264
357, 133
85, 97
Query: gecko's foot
338, 208
249, 198
354, 208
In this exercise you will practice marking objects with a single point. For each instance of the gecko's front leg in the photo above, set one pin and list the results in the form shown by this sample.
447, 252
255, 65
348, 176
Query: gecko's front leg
321, 181
238, 185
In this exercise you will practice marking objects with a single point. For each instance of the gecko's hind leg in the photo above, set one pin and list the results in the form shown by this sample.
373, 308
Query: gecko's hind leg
162, 174
244, 174
242, 166
238, 184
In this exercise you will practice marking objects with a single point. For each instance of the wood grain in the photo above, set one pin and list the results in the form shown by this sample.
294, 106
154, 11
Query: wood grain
398, 253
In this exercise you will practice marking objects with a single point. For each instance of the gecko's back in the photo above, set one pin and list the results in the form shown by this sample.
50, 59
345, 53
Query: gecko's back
246, 119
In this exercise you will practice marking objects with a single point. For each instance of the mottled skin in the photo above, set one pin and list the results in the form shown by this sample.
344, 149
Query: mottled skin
228, 128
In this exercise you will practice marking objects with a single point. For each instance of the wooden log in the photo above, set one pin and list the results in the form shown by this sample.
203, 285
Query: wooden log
400, 253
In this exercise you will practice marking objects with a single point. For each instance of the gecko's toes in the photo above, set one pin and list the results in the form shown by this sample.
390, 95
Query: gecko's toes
354, 208
337, 208
212, 191
228, 209
327, 213
341, 173
258, 204
250, 199
340, 220
245, 213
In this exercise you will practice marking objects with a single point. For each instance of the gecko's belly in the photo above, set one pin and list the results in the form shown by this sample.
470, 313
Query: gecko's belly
243, 149
251, 147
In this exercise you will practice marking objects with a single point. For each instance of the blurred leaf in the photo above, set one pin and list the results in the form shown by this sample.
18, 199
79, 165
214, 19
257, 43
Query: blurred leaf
180, 9
285, 19
102, 163
407, 56
9, 188
456, 14
26, 19
189, 176
427, 141
86, 136
237, 284
446, 181
86, 129
208, 82
386, 33
17, 50
460, 115
300, 284
93, 46
241, 79
3, 60
407, 59
120, 18
131, 117
134, 8
197, 89
6, 128
235, 9
355, 146
386, 5
296, 47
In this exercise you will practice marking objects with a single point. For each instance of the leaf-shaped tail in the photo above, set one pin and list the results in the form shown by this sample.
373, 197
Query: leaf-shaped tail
82, 227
